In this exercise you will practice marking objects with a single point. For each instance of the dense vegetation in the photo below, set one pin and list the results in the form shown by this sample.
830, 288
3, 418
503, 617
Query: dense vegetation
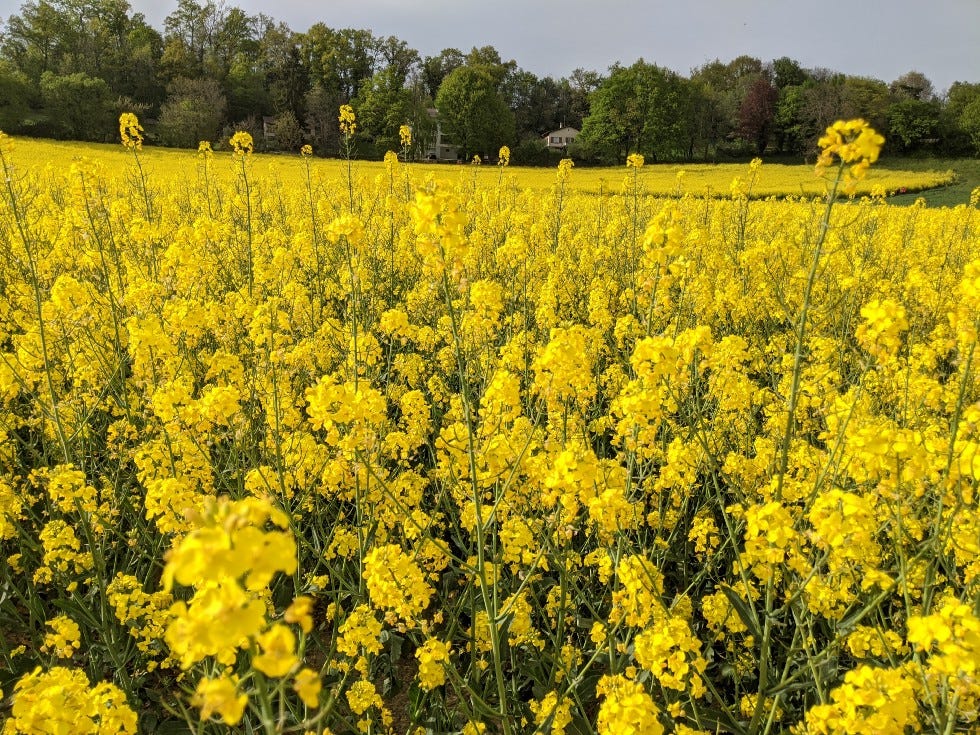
69, 67
369, 451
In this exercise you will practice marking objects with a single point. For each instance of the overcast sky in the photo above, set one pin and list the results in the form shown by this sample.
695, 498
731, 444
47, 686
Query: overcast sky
872, 38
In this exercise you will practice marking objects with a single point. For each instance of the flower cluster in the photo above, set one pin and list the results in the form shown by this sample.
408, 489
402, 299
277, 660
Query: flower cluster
852, 142
130, 131
348, 120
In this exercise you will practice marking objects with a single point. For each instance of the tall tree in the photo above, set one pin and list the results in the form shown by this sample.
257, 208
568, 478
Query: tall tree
15, 98
913, 85
581, 83
473, 114
912, 122
960, 117
436, 68
641, 108
77, 106
398, 57
383, 106
866, 98
787, 72
757, 112
969, 122
194, 111
286, 76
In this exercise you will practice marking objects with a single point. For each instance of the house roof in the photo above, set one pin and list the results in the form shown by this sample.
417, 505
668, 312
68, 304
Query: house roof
564, 131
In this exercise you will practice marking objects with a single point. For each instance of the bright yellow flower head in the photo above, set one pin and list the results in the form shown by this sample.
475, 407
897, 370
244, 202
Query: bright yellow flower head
433, 656
241, 143
307, 684
853, 142
405, 135
626, 709
220, 696
61, 701
299, 612
395, 582
64, 638
130, 131
278, 655
348, 121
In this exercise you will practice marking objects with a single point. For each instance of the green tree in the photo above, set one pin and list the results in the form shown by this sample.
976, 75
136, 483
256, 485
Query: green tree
913, 85
397, 57
437, 68
787, 72
339, 61
911, 122
77, 106
490, 59
789, 127
245, 90
714, 105
532, 101
383, 106
15, 98
969, 122
955, 123
580, 85
286, 77
194, 111
866, 98
34, 39
641, 108
473, 114
287, 135
186, 32
138, 73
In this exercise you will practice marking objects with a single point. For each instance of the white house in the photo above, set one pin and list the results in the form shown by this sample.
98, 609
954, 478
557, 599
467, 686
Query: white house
560, 138
438, 148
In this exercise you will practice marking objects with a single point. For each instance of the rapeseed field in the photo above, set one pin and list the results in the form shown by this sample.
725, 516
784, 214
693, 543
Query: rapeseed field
337, 447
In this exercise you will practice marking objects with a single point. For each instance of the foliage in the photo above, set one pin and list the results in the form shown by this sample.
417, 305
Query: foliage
912, 122
472, 112
15, 98
383, 105
193, 112
78, 106
640, 108
287, 132
757, 113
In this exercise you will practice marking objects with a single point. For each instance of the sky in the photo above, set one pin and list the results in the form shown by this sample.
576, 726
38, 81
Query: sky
871, 38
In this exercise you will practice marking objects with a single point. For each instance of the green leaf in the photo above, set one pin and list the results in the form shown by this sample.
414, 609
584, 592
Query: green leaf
745, 613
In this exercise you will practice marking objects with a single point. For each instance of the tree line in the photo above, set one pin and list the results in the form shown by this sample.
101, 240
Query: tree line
69, 67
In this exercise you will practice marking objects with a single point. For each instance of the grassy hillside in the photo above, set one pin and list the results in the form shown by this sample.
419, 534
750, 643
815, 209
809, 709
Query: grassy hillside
967, 172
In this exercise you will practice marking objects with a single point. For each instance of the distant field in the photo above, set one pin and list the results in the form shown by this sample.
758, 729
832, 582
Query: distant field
663, 179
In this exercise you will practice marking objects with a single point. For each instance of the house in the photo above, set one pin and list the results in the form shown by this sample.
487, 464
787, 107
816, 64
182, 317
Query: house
561, 138
269, 128
437, 147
